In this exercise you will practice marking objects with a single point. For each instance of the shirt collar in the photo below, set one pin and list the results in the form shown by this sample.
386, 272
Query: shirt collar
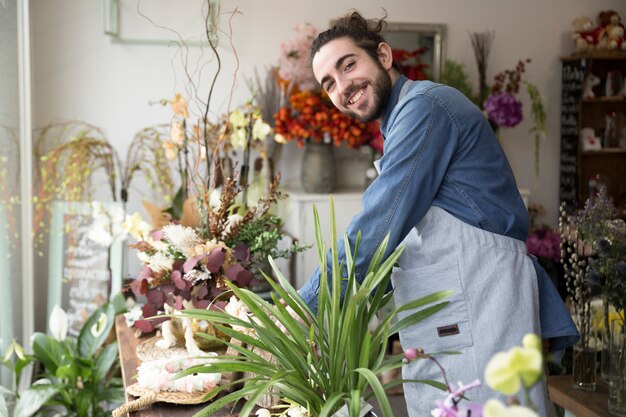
393, 100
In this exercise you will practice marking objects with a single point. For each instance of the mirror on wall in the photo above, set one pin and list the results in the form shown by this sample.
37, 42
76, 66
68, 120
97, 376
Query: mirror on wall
418, 48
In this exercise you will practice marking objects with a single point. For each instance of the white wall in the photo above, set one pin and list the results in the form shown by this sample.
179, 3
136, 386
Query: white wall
80, 74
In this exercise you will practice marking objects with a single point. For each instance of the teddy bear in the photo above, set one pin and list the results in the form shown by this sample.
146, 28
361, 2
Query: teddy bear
611, 35
584, 37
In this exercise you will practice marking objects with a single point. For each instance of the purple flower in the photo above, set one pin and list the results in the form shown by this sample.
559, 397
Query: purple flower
503, 109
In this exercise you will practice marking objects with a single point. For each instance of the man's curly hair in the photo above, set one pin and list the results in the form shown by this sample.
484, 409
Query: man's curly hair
365, 33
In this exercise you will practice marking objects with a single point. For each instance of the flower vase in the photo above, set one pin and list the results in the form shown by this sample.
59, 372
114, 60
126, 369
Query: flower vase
318, 170
584, 368
604, 327
584, 356
617, 369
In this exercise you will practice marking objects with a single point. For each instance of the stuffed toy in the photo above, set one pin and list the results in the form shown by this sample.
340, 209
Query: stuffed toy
584, 36
588, 84
611, 34
589, 140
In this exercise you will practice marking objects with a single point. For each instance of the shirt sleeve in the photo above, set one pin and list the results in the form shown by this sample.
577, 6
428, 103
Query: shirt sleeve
419, 146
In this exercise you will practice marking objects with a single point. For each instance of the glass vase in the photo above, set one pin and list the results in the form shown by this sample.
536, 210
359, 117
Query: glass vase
584, 355
604, 327
617, 370
318, 169
584, 368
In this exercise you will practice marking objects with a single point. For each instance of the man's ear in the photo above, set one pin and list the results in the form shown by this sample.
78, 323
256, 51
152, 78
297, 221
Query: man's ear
384, 55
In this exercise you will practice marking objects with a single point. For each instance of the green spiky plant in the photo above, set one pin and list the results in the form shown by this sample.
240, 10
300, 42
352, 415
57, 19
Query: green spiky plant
326, 360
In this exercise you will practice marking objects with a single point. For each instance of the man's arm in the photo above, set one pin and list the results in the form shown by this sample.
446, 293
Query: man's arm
418, 149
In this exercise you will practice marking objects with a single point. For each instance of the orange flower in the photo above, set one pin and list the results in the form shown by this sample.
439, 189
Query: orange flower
311, 115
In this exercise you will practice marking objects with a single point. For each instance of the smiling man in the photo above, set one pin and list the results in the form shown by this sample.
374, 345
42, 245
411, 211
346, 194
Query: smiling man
446, 192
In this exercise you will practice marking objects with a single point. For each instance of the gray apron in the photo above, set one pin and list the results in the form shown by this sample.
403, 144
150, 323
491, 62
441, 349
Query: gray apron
495, 303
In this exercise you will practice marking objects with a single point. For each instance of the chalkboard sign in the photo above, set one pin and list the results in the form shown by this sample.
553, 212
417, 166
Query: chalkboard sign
83, 273
573, 74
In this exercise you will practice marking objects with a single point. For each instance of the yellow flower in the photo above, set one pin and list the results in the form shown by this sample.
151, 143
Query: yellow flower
136, 227
494, 408
532, 341
507, 371
179, 106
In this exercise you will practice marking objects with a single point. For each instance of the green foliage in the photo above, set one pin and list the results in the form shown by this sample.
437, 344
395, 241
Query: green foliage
322, 361
262, 235
78, 375
538, 130
454, 75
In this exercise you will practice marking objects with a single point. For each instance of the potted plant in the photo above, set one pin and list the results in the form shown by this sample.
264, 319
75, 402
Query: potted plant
76, 376
315, 363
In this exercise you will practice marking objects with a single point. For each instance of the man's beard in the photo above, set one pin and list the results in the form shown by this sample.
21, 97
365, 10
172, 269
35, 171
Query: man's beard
381, 89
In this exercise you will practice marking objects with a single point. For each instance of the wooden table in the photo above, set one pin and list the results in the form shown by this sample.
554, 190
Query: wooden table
127, 345
580, 403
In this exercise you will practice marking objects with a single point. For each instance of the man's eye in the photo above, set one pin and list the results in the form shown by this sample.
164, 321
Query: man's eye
330, 85
348, 66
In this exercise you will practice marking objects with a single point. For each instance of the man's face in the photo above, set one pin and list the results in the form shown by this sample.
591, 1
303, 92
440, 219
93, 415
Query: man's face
357, 85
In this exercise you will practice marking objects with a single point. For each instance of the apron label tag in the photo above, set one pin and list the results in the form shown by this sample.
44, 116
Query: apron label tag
448, 330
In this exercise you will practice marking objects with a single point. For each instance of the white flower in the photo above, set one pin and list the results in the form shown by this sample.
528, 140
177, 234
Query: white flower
495, 408
107, 224
183, 238
58, 323
298, 411
231, 222
260, 129
160, 262
278, 138
196, 275
133, 315
100, 235
136, 227
98, 328
215, 199
263, 412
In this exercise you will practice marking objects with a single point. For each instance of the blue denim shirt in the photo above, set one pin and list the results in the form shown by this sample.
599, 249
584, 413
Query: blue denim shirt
440, 150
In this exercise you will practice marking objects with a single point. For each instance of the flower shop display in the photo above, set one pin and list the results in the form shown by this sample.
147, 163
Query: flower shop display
311, 118
594, 240
575, 270
187, 266
315, 364
604, 234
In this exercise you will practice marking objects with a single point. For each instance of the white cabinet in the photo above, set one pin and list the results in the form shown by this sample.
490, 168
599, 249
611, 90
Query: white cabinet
297, 213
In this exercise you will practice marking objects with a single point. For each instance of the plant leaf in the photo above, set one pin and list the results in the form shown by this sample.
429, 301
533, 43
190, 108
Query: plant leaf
34, 397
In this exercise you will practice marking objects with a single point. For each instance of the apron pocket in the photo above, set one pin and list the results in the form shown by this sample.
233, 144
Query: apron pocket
447, 329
